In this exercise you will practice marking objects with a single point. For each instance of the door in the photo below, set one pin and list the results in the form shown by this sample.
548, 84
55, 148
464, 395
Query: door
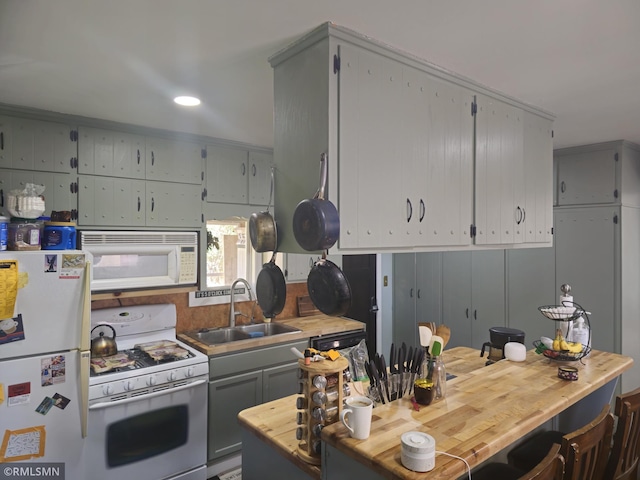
40, 416
280, 381
360, 271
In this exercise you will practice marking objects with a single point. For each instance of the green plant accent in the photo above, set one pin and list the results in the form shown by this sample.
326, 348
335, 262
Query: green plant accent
212, 241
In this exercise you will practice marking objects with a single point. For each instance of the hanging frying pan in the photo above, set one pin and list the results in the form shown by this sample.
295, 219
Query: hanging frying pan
262, 228
328, 288
316, 223
271, 288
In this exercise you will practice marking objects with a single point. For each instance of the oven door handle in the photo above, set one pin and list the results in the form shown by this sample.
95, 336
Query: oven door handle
100, 405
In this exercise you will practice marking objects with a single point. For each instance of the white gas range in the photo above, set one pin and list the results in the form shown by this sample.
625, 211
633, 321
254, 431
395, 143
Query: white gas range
150, 398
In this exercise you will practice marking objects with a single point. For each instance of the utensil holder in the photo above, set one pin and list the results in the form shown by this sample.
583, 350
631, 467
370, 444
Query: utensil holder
316, 409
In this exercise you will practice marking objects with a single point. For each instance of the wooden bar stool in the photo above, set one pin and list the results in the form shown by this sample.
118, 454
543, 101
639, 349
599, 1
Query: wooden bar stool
550, 468
623, 462
586, 451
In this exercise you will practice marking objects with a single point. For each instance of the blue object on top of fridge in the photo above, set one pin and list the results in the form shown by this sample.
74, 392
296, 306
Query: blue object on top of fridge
45, 309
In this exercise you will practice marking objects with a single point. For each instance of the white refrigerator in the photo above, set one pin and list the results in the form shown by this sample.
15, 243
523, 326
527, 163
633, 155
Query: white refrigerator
45, 308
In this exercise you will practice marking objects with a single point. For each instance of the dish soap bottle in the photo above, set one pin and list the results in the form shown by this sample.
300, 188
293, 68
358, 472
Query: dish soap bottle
581, 333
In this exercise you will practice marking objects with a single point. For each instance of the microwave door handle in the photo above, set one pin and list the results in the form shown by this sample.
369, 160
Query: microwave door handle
124, 401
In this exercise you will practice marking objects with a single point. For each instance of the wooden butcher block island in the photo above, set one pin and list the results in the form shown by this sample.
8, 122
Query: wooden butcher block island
486, 409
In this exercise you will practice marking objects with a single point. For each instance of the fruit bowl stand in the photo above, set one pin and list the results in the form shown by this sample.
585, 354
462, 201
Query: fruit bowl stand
563, 316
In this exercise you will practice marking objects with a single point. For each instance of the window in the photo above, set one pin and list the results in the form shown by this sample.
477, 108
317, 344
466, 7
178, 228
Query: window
229, 252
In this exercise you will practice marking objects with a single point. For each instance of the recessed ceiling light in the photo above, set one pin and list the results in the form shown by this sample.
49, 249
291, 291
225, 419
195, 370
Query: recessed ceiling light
187, 101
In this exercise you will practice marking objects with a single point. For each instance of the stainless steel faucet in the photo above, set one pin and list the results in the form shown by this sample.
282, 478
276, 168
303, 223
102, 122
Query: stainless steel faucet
232, 309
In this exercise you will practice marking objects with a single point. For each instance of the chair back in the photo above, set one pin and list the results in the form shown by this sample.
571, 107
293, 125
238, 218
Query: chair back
586, 451
623, 462
550, 467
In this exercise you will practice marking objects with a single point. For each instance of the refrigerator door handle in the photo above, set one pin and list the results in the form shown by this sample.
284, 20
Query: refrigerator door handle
85, 365
85, 354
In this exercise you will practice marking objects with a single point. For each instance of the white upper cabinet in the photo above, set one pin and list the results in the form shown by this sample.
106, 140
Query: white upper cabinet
499, 172
408, 145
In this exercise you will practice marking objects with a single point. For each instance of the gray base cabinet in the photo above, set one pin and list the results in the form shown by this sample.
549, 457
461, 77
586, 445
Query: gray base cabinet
242, 380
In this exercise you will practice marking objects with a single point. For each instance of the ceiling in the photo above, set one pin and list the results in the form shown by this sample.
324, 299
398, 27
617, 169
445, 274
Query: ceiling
124, 60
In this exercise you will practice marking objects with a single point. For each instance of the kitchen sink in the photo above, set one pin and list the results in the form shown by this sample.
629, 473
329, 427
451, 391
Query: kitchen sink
216, 336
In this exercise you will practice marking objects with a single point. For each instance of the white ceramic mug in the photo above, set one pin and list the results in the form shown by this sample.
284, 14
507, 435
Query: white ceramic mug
8, 325
356, 416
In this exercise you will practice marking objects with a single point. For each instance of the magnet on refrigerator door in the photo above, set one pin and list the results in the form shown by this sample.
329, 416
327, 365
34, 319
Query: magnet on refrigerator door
23, 444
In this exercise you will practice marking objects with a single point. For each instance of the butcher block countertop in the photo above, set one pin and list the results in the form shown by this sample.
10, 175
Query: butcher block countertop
311, 326
486, 409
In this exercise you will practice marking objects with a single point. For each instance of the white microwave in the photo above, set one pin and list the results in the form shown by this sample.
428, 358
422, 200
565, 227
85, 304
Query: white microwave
124, 260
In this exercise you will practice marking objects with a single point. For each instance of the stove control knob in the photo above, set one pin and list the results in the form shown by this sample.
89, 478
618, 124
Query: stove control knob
171, 376
129, 385
151, 381
189, 372
107, 389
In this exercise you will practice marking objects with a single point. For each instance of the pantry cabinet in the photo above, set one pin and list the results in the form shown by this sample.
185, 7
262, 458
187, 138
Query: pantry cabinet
242, 380
237, 175
400, 135
417, 294
473, 295
596, 235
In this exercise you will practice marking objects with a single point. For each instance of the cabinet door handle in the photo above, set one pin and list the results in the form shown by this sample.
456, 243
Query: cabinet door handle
519, 217
409, 210
411, 293
563, 186
423, 210
244, 169
466, 312
418, 293
138, 156
254, 170
153, 159
139, 204
475, 314
1, 197
153, 203
1, 140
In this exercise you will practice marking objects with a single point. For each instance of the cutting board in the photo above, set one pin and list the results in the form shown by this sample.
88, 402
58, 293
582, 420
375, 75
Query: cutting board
306, 308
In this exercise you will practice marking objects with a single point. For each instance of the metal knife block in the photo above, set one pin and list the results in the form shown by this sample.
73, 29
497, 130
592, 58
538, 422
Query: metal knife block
315, 414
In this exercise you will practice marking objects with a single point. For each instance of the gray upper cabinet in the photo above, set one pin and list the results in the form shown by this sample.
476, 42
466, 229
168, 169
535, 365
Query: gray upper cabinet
171, 160
27, 144
237, 175
604, 173
109, 201
260, 164
174, 204
59, 188
400, 135
111, 153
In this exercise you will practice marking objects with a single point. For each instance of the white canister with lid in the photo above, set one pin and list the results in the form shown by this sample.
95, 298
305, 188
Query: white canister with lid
418, 451
4, 232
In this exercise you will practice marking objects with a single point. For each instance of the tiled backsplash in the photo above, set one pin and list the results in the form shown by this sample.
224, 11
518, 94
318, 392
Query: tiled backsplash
211, 316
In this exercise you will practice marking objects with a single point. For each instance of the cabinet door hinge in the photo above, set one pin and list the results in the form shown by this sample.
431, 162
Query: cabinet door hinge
74, 214
336, 63
552, 133
203, 153
615, 219
472, 230
616, 156
551, 230
73, 135
202, 217
474, 109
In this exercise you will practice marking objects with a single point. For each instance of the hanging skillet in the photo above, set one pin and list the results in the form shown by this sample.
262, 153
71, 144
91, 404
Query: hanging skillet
328, 288
262, 228
271, 288
316, 223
